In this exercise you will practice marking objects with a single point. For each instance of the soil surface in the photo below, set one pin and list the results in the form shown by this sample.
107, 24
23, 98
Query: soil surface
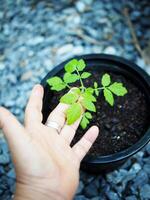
120, 126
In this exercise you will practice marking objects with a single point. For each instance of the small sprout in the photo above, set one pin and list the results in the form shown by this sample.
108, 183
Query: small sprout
83, 98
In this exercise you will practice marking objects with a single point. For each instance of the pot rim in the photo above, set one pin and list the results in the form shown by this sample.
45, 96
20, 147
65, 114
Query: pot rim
137, 146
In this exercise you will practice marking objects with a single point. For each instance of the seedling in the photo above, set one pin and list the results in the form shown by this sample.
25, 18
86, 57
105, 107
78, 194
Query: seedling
81, 99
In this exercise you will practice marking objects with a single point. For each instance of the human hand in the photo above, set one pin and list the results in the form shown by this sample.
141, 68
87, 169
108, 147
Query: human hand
45, 164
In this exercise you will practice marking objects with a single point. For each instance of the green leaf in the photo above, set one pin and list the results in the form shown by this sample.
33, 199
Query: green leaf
88, 96
97, 92
71, 65
88, 105
84, 122
73, 113
118, 89
85, 75
58, 87
105, 80
70, 78
89, 90
76, 90
81, 65
88, 115
69, 98
95, 85
108, 96
54, 81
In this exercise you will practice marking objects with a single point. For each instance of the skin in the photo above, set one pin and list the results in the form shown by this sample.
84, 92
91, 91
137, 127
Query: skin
46, 166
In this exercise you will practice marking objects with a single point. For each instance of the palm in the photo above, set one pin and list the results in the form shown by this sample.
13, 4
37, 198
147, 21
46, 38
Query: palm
39, 153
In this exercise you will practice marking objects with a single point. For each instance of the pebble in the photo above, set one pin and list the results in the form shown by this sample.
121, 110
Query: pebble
26, 76
133, 197
80, 187
2, 66
90, 190
148, 148
80, 6
140, 179
4, 159
146, 168
110, 50
113, 195
65, 49
35, 41
11, 174
80, 197
145, 191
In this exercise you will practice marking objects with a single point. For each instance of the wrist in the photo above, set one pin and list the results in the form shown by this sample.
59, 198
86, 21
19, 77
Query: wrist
30, 192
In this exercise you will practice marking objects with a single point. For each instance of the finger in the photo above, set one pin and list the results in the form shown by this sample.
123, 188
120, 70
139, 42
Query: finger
68, 131
13, 131
58, 115
33, 110
82, 147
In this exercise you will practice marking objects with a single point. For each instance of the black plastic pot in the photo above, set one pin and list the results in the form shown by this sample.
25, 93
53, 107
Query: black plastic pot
102, 62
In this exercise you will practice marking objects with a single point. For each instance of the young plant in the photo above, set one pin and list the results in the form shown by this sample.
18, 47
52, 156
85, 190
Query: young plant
81, 99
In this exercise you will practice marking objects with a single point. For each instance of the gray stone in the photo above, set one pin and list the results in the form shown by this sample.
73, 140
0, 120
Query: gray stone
35, 40
146, 168
148, 148
80, 197
117, 176
88, 2
133, 197
148, 69
140, 179
140, 62
2, 66
65, 49
96, 198
80, 187
145, 192
135, 168
112, 195
4, 158
11, 174
80, 6
91, 190
110, 50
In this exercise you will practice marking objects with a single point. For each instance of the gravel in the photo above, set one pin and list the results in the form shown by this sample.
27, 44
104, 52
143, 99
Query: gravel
37, 35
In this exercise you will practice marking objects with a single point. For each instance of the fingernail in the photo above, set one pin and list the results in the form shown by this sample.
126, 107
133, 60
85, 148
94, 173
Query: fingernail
37, 89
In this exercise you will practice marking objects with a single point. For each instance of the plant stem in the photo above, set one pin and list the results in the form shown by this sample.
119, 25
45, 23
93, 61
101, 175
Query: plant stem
68, 86
82, 85
100, 88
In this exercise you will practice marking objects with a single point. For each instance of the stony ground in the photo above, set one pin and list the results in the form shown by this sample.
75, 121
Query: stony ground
37, 35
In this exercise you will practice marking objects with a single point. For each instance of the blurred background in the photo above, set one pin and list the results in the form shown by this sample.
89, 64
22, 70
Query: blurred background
37, 35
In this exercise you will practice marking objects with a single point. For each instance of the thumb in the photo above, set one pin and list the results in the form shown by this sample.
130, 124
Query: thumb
13, 130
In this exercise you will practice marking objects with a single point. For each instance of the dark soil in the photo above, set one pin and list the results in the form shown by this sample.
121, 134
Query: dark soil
120, 126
